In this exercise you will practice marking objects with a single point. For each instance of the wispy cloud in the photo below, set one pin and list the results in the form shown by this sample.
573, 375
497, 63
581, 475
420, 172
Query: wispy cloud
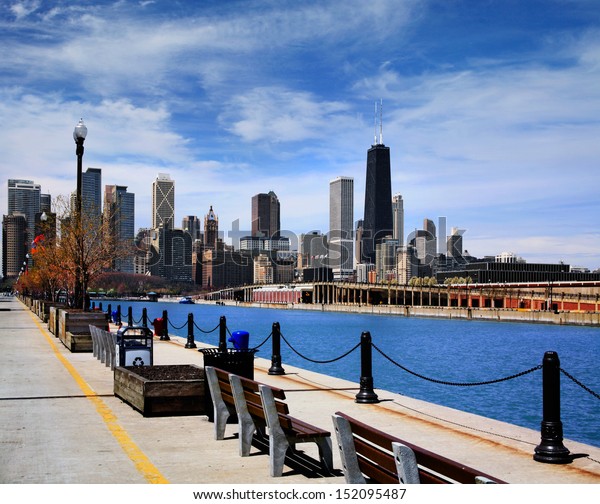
277, 115
24, 9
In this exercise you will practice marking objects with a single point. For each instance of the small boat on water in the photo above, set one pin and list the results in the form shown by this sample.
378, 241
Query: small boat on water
186, 300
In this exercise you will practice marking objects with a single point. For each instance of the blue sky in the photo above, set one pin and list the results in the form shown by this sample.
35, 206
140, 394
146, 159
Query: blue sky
491, 109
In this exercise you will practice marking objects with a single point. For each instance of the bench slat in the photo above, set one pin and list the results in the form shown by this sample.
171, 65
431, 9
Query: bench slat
377, 473
249, 384
375, 454
299, 428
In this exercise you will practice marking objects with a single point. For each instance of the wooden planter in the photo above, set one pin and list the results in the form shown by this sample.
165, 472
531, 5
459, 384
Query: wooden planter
45, 309
74, 328
53, 319
173, 390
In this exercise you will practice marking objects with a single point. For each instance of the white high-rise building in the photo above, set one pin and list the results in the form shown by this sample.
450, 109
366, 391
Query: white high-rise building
398, 219
163, 201
341, 226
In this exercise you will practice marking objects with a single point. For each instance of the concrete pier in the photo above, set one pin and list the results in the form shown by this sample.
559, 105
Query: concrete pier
61, 423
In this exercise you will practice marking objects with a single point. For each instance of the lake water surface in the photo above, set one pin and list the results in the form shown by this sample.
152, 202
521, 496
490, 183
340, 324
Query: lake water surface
456, 351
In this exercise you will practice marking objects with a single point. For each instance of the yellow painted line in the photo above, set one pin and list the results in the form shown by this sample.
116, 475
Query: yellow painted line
140, 460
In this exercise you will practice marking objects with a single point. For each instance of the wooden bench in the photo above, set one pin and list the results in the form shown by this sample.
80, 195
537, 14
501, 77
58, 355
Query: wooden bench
372, 456
259, 408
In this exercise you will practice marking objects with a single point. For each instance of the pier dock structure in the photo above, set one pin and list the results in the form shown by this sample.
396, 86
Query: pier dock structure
546, 302
63, 424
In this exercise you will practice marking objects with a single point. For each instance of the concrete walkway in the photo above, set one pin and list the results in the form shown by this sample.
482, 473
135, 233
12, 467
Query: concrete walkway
61, 423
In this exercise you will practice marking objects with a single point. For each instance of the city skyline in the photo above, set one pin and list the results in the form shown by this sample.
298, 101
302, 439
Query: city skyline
490, 110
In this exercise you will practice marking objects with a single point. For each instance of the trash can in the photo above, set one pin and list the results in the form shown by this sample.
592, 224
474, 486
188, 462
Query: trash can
239, 362
134, 346
158, 324
240, 340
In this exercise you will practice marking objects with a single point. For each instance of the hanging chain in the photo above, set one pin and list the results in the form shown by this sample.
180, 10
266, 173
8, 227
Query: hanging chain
203, 331
264, 341
318, 361
457, 384
575, 380
175, 327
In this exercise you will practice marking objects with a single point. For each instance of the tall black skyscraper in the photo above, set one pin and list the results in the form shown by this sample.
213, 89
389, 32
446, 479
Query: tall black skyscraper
378, 222
266, 220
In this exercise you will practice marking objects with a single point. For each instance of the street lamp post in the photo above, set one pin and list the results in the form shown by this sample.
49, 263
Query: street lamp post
79, 134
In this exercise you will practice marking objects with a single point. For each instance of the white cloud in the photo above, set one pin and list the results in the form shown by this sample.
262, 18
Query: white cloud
275, 115
23, 9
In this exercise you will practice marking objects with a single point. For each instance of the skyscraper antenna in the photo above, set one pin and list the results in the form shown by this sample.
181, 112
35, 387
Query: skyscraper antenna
375, 124
381, 122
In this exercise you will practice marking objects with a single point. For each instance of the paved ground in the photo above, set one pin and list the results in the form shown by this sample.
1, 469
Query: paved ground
61, 423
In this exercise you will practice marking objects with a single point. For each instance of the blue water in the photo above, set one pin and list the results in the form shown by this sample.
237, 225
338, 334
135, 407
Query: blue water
457, 351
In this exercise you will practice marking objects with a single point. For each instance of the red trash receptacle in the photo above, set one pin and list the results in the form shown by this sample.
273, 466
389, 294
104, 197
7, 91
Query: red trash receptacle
158, 324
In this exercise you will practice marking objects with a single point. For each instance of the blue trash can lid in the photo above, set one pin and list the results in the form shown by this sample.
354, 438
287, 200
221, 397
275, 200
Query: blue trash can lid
240, 333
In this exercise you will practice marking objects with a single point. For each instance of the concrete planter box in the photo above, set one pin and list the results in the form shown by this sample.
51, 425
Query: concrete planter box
173, 390
74, 328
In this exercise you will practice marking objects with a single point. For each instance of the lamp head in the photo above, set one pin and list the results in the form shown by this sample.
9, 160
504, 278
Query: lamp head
80, 131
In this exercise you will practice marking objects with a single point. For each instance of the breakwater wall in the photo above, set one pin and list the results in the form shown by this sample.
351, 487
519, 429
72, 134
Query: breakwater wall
490, 314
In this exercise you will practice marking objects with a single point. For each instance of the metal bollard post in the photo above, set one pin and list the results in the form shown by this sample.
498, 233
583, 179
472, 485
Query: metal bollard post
551, 449
129, 316
190, 337
276, 368
366, 395
223, 334
144, 317
119, 314
165, 335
